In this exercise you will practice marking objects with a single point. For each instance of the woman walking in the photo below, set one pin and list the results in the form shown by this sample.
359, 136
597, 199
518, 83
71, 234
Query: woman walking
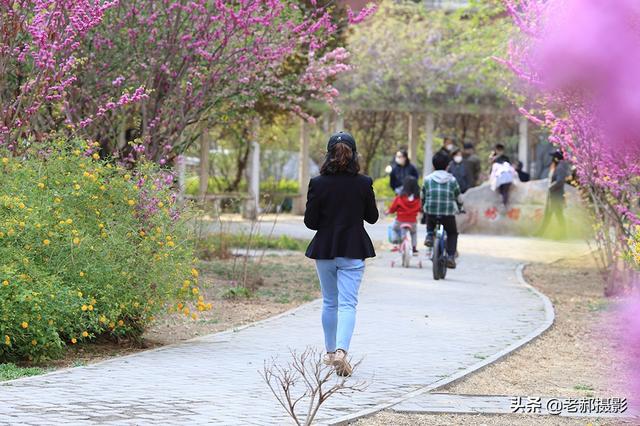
338, 201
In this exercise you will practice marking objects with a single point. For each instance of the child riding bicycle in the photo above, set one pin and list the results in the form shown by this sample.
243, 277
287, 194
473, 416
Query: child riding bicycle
440, 196
407, 206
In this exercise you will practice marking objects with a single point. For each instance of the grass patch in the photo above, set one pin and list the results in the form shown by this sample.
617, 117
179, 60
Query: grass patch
219, 245
11, 371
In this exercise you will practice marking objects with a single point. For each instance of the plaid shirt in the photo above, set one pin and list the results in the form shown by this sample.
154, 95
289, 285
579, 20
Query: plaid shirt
440, 199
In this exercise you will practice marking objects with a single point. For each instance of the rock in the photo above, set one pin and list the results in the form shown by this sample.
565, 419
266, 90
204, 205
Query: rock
487, 215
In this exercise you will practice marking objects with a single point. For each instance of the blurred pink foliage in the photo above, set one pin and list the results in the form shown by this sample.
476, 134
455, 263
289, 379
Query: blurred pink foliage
578, 60
629, 319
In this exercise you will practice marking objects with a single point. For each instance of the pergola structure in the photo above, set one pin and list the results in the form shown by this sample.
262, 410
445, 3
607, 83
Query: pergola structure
416, 118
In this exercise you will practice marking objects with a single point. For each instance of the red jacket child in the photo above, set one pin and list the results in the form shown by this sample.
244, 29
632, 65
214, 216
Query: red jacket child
407, 208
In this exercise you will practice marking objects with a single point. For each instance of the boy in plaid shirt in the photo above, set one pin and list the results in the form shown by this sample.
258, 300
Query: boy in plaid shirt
441, 199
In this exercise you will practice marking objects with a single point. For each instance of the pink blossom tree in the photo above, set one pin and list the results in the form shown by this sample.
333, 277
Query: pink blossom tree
201, 63
40, 41
143, 78
579, 68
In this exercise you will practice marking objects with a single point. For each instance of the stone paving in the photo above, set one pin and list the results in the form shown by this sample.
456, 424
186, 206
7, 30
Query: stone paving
412, 332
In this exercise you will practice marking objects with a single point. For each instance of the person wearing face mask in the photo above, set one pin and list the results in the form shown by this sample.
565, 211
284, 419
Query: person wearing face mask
459, 170
401, 169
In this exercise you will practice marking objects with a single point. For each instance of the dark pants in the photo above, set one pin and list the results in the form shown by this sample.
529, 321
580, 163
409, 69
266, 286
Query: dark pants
449, 223
554, 207
504, 192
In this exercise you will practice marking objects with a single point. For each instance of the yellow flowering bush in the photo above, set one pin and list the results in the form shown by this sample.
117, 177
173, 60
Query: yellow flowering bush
634, 248
87, 248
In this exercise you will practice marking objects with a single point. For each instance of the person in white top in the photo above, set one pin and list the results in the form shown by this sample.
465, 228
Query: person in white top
502, 177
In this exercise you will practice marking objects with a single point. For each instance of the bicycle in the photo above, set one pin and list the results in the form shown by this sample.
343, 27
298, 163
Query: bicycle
438, 254
439, 251
406, 247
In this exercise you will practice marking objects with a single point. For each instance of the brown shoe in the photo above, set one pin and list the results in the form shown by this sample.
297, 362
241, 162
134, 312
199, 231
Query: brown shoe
327, 359
340, 362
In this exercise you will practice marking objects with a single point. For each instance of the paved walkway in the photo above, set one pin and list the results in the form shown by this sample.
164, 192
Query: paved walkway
436, 329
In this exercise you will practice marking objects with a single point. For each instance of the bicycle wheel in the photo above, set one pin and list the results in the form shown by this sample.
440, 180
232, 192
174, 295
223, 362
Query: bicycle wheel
443, 256
406, 253
435, 260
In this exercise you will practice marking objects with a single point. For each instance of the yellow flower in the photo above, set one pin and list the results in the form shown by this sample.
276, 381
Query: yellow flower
103, 188
41, 185
209, 306
7, 340
34, 342
69, 221
76, 187
85, 334
96, 156
79, 294
111, 325
185, 310
161, 204
74, 340
5, 160
84, 308
21, 205
120, 323
46, 242
57, 200
76, 241
5, 283
50, 322
101, 225
142, 234
127, 177
24, 324
194, 316
10, 232
195, 290
171, 244
103, 319
131, 202
180, 305
81, 274
186, 283
90, 307
194, 272
136, 304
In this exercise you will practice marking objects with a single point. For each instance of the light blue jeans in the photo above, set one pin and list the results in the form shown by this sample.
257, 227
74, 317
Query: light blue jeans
339, 280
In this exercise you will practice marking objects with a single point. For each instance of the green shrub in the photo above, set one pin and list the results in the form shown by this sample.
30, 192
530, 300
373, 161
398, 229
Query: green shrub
216, 185
382, 188
87, 248
282, 186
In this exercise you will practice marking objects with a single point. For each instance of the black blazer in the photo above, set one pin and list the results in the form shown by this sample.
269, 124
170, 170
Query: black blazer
336, 208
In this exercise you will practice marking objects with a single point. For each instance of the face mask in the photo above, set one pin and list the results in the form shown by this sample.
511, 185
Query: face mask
449, 147
401, 161
458, 158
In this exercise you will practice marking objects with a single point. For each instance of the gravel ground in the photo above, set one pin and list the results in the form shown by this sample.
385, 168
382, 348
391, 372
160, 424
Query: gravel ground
576, 357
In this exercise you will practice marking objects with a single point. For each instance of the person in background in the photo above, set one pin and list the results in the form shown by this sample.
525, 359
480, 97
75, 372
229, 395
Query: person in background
407, 206
522, 175
401, 169
472, 163
558, 174
448, 146
339, 201
440, 195
502, 177
458, 169
498, 154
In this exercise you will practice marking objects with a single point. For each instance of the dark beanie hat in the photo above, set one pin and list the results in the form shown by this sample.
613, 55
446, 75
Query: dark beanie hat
342, 137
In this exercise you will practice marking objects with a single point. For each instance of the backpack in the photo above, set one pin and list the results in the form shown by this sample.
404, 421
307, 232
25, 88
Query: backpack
504, 174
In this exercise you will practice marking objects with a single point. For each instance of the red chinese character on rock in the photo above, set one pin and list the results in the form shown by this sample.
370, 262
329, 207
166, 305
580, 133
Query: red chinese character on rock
513, 214
491, 213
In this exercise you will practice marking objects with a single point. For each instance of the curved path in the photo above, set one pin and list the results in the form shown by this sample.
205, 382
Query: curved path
413, 331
